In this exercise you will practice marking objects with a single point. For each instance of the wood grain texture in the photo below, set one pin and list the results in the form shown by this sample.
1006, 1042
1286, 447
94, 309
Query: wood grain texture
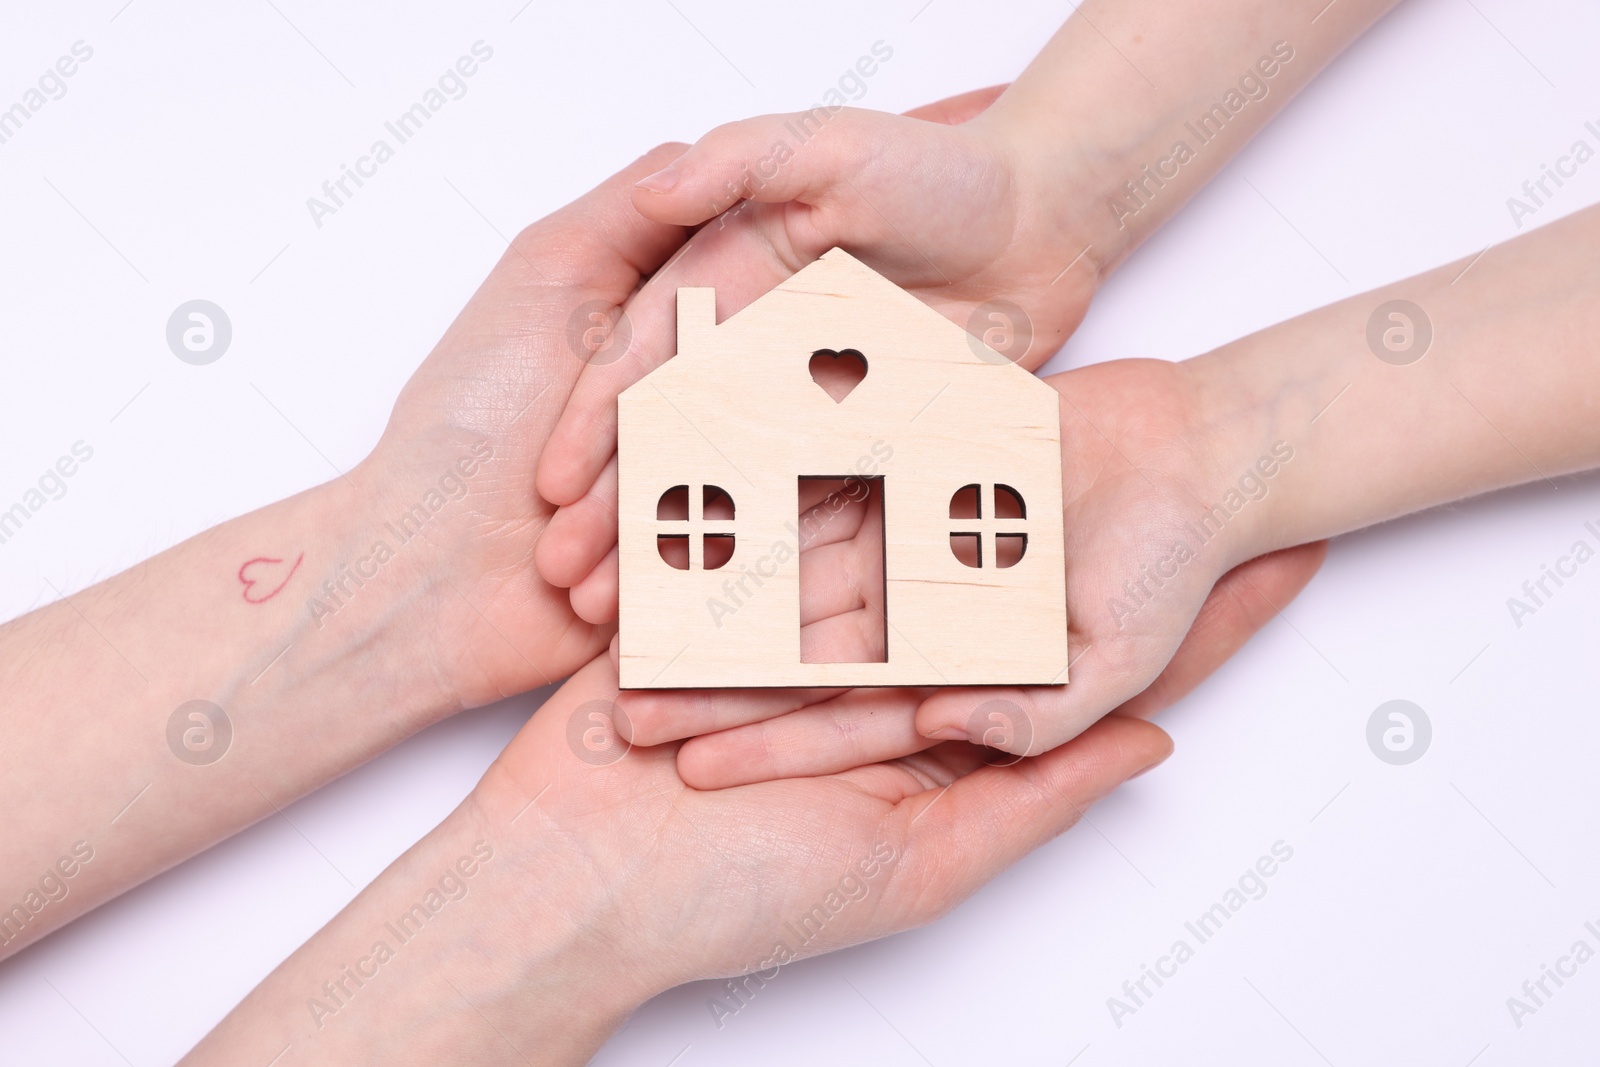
737, 408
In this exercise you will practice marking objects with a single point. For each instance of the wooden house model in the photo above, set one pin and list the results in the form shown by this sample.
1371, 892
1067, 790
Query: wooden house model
963, 446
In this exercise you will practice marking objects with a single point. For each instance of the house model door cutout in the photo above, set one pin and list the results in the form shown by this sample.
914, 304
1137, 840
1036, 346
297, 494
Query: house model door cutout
838, 373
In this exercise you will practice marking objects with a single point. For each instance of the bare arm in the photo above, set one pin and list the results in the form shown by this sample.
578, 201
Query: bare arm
157, 712
1006, 221
1134, 105
1481, 374
1478, 375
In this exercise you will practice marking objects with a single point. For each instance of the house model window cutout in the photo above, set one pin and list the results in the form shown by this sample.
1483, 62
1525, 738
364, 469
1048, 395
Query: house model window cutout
715, 447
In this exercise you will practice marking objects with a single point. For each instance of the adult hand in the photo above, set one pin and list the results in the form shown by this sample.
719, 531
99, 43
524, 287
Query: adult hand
579, 880
378, 603
495, 386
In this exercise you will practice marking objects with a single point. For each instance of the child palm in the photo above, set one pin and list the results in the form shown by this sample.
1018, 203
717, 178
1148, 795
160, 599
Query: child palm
1132, 488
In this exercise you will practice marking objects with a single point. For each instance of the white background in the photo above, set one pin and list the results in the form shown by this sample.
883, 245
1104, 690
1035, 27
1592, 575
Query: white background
1418, 898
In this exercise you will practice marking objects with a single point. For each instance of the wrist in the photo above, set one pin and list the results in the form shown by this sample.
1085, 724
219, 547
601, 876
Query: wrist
1059, 188
1065, 180
1258, 412
199, 685
543, 953
1120, 119
451, 522
473, 946
561, 909
354, 618
594, 830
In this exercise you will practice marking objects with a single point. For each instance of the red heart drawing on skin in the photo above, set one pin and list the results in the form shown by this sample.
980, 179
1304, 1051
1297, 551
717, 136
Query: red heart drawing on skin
264, 569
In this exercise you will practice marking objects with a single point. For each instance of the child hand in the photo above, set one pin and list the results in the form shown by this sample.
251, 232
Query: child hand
1141, 464
943, 210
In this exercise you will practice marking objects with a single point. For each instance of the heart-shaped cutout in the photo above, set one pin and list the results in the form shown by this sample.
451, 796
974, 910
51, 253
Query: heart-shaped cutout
838, 373
264, 577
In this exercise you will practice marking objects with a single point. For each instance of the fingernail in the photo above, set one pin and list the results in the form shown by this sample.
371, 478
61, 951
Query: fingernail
949, 733
662, 181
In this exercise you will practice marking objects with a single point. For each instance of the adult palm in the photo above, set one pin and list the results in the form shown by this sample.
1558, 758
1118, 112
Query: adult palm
488, 397
688, 884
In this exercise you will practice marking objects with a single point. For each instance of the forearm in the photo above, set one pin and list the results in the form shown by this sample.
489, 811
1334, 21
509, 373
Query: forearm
443, 960
109, 774
1506, 391
1134, 105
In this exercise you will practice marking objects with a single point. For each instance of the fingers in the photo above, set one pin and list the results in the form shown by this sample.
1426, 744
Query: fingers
855, 637
594, 600
746, 259
1114, 673
859, 727
840, 590
960, 837
576, 265
740, 261
657, 716
833, 510
1242, 602
739, 161
847, 732
599, 242
663, 715
580, 533
734, 260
